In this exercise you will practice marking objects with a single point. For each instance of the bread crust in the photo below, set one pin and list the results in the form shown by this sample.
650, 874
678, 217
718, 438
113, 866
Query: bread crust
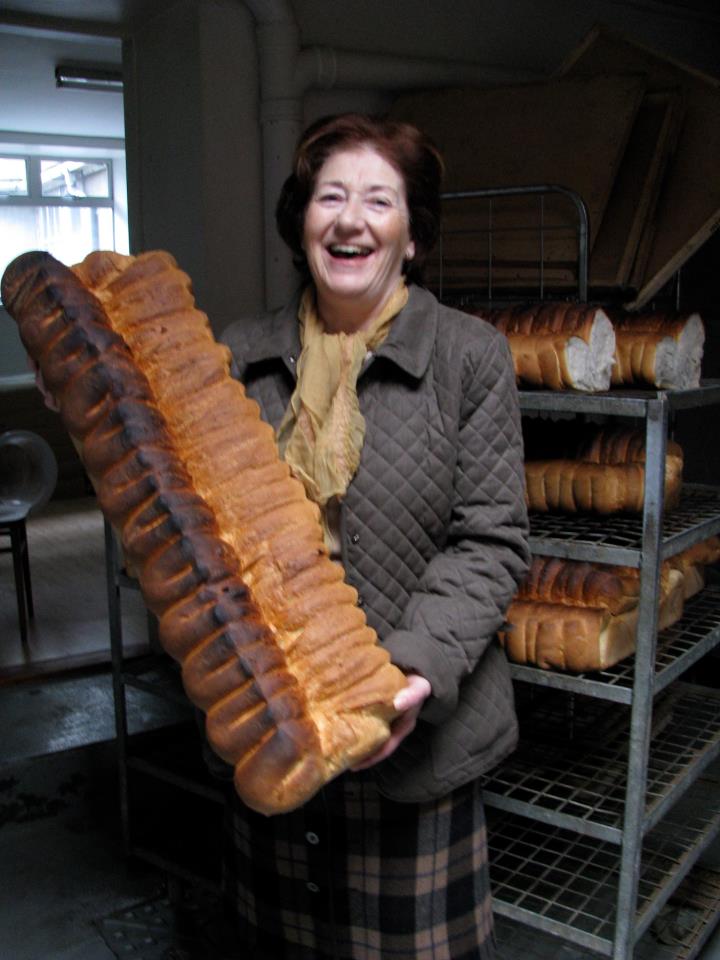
245, 593
557, 345
580, 617
606, 475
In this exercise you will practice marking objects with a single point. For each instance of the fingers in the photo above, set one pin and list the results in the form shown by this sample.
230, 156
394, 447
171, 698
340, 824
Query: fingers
418, 689
408, 703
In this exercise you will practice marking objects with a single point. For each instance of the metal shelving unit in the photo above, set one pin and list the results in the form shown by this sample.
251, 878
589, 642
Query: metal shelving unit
593, 825
592, 822
163, 772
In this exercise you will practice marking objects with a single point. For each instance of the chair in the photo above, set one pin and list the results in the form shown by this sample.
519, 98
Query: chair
28, 475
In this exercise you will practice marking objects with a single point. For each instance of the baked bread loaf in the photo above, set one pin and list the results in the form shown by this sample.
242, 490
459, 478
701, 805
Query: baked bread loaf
558, 346
576, 616
228, 549
692, 563
564, 345
606, 475
661, 349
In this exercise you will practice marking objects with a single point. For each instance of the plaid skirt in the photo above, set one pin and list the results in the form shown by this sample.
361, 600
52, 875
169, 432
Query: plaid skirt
355, 876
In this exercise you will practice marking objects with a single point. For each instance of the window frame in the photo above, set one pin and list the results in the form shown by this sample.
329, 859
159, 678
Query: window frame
52, 147
36, 198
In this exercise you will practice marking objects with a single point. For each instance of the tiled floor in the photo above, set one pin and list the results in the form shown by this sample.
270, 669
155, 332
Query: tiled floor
67, 891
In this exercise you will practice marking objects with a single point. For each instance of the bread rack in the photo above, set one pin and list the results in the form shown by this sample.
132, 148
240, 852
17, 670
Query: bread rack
161, 771
614, 820
598, 819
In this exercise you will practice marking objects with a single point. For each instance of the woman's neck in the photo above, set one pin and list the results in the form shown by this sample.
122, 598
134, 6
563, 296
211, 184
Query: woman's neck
348, 316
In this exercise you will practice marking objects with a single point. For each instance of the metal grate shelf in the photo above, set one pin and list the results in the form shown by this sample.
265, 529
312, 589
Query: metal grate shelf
678, 648
619, 403
578, 779
618, 538
680, 934
566, 884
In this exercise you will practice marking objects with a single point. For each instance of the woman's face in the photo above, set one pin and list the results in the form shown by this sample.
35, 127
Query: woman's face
356, 232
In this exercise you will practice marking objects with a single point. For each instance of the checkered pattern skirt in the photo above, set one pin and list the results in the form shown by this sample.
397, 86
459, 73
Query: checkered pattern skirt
355, 876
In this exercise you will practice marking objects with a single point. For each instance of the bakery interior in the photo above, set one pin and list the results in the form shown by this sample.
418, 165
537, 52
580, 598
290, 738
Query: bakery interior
100, 765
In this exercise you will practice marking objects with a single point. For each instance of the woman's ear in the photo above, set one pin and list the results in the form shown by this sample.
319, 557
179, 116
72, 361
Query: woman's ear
410, 251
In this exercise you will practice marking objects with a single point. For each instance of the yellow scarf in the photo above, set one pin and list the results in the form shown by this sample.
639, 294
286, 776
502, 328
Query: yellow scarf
322, 432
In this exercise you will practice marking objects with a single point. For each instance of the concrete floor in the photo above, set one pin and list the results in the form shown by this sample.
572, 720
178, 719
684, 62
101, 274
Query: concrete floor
68, 891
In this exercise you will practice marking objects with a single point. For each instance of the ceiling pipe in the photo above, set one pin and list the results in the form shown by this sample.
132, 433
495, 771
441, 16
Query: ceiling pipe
288, 71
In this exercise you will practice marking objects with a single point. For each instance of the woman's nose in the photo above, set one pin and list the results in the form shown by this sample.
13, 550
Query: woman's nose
350, 216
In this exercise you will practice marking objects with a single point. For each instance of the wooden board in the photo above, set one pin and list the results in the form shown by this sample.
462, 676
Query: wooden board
688, 208
634, 195
571, 132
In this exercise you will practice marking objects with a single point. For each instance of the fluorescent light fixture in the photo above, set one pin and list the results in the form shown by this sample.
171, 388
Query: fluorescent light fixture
89, 78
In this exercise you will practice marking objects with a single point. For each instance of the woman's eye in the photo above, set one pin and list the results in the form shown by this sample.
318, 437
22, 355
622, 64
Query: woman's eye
329, 197
380, 203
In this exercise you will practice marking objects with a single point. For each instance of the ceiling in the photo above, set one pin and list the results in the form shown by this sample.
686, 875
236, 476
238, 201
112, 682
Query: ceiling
116, 15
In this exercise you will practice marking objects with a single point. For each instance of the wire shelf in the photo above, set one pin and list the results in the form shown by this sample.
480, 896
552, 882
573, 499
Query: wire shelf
571, 770
579, 536
566, 884
618, 402
680, 934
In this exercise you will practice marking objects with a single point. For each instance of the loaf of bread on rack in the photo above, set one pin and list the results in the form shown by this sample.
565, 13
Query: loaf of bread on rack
557, 345
692, 563
606, 474
662, 349
578, 616
228, 549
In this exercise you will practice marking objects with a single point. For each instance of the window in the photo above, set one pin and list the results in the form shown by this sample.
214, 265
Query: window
64, 206
62, 195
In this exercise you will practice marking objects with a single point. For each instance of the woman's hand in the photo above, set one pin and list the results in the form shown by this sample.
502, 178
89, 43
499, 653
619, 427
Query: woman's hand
409, 703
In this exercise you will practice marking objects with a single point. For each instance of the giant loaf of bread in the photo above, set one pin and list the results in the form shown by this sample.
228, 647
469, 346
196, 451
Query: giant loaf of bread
227, 548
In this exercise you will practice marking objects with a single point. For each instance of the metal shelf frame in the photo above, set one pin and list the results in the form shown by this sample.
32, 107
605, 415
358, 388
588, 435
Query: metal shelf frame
579, 782
540, 191
564, 883
622, 794
155, 675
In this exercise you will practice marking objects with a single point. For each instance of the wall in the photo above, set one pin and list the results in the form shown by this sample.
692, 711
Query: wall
193, 150
29, 99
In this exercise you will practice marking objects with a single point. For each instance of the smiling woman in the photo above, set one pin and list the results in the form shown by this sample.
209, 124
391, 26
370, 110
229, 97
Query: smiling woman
400, 418
356, 237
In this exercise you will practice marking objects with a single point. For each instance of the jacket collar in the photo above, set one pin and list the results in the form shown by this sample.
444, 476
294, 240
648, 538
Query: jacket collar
409, 344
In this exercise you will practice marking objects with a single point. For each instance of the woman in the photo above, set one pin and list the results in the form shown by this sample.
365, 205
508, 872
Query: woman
400, 417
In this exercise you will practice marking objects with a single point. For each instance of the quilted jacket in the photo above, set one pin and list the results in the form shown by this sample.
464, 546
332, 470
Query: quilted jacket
433, 526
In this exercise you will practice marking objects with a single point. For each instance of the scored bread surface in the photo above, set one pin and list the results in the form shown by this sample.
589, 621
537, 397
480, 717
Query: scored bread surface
227, 547
606, 475
580, 616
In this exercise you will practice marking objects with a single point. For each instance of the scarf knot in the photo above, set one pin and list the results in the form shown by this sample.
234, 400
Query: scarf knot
322, 433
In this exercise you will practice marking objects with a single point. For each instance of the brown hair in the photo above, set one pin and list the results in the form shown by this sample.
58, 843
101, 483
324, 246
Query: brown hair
401, 144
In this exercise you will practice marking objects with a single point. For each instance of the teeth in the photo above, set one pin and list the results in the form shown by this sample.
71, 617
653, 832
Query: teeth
348, 250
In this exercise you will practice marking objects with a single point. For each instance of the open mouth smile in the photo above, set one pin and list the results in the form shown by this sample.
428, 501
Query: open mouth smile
348, 251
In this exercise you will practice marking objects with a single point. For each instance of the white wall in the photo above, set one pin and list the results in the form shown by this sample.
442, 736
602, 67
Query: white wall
29, 99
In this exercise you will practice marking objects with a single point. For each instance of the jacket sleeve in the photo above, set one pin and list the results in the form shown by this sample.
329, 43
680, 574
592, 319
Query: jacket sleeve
461, 600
